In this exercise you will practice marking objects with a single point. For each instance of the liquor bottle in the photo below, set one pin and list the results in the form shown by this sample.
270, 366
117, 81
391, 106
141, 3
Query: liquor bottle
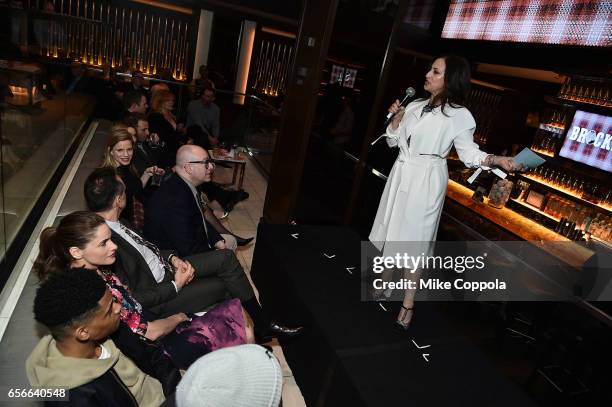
570, 230
551, 206
607, 201
550, 145
575, 185
565, 87
553, 176
580, 189
563, 181
560, 225
587, 222
594, 194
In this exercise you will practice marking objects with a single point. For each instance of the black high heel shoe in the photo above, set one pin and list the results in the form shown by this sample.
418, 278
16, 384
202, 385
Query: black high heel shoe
243, 241
404, 319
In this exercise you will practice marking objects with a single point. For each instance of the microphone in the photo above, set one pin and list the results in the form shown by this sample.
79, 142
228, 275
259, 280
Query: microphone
409, 93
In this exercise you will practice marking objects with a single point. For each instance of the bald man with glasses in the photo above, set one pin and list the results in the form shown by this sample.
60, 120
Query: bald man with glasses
176, 214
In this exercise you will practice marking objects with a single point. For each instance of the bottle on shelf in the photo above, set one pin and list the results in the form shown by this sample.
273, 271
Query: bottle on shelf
607, 200
560, 225
580, 189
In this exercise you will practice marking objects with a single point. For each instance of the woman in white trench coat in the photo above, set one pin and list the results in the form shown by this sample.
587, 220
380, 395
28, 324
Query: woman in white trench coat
425, 131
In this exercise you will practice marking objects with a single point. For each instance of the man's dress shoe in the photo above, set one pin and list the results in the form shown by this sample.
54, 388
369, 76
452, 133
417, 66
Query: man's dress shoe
281, 332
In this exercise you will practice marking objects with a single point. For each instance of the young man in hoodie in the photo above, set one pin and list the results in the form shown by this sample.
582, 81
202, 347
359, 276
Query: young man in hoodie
81, 314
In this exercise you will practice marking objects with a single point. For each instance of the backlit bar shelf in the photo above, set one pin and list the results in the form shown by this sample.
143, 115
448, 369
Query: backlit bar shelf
552, 128
533, 208
601, 103
565, 192
546, 153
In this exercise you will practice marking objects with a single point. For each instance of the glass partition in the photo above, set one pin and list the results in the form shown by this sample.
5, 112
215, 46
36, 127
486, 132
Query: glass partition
43, 107
39, 124
245, 120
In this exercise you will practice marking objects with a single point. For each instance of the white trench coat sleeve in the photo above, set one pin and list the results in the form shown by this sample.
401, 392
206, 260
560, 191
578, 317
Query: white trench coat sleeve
412, 201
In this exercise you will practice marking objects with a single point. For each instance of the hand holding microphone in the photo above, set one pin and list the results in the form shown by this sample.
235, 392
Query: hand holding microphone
396, 111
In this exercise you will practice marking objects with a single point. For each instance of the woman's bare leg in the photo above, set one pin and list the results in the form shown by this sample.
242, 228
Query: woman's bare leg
405, 315
248, 327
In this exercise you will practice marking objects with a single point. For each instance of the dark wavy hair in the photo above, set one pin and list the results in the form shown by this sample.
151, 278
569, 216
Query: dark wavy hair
74, 230
456, 82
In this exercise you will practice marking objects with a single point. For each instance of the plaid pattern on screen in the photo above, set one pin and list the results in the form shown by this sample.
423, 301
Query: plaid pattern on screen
337, 74
590, 154
570, 22
349, 78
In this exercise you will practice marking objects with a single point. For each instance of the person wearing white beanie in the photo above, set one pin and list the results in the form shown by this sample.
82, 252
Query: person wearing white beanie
239, 376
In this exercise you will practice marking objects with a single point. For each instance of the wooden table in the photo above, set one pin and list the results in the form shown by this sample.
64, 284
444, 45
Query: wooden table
237, 160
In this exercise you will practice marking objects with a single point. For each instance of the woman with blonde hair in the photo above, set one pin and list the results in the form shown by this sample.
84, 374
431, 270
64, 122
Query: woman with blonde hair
163, 122
118, 154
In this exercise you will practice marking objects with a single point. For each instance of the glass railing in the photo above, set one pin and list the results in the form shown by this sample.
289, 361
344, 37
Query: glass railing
39, 122
255, 126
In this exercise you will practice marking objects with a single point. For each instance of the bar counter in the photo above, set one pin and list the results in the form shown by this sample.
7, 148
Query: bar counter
573, 254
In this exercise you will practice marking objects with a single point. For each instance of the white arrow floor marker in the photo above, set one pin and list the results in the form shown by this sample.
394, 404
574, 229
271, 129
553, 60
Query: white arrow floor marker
420, 347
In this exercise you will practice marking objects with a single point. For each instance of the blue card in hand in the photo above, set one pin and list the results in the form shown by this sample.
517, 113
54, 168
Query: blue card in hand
528, 158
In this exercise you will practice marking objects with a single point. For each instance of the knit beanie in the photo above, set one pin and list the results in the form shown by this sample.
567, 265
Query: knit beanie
238, 376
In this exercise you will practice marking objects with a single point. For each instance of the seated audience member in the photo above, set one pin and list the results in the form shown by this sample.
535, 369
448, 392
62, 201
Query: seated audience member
135, 84
135, 102
204, 113
157, 87
183, 339
223, 200
185, 227
163, 122
245, 375
119, 153
81, 313
150, 271
203, 81
147, 149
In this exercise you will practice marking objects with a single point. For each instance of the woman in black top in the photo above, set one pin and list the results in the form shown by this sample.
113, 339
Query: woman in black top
163, 122
119, 153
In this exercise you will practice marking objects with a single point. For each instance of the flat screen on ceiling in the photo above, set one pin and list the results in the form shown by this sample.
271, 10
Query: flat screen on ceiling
567, 22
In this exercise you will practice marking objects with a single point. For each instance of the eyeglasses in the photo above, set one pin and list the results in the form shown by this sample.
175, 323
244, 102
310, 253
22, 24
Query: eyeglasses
207, 163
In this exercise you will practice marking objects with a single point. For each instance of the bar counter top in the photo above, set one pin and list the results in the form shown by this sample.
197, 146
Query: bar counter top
571, 253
